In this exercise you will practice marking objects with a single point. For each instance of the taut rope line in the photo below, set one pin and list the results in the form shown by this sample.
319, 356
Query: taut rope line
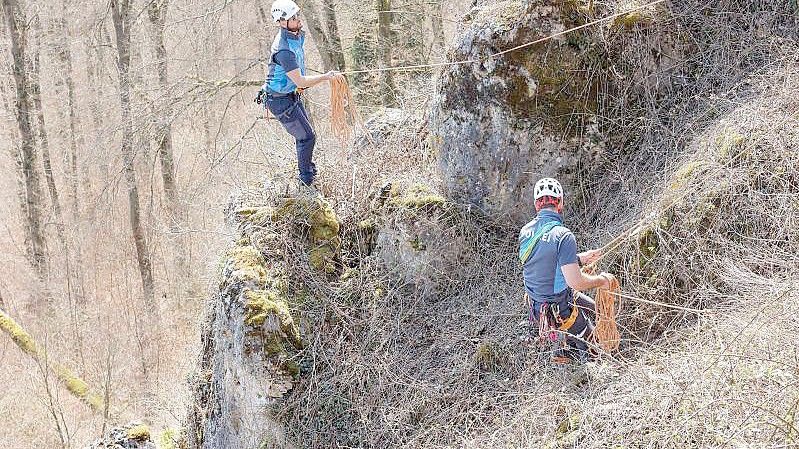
503, 52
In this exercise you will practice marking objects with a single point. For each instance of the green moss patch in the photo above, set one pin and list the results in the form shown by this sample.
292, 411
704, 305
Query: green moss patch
245, 264
262, 305
416, 196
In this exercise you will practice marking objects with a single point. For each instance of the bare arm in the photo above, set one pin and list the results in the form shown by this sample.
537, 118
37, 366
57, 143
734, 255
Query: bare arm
304, 82
578, 280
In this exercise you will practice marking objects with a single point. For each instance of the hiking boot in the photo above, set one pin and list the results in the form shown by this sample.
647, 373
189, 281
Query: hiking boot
567, 355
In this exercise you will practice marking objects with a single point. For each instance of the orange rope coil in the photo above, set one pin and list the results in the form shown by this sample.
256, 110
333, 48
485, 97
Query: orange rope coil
606, 332
342, 109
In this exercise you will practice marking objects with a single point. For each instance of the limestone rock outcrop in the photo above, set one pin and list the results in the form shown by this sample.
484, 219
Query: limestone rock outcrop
252, 339
131, 436
503, 121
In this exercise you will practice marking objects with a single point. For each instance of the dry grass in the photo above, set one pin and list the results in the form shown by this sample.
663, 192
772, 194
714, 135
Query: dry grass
712, 159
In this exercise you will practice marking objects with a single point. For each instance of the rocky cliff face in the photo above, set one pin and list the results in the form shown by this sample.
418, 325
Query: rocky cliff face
251, 339
502, 122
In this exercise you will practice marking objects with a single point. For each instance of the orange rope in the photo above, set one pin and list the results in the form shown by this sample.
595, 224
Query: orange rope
606, 333
342, 109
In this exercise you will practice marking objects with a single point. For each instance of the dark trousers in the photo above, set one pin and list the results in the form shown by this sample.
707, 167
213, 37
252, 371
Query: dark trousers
294, 118
580, 332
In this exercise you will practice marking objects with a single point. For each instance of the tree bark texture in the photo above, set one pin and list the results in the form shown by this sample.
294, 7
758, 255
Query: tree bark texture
384, 42
156, 12
334, 37
41, 132
120, 14
64, 56
15, 20
328, 43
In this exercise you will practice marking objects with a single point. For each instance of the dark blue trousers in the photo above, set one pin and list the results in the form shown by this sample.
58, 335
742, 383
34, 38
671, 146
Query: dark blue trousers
293, 116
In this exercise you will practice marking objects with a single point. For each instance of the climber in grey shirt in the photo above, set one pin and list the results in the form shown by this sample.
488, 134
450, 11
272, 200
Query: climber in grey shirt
552, 275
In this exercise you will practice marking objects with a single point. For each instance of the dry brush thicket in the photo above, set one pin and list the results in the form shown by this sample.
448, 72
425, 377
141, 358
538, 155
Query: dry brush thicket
705, 149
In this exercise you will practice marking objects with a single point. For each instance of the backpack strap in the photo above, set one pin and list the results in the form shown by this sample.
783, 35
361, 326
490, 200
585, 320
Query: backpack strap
527, 246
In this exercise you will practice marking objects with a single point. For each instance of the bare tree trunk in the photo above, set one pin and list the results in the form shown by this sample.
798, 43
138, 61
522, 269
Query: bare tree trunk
156, 12
44, 141
120, 14
64, 56
385, 40
334, 38
317, 32
33, 190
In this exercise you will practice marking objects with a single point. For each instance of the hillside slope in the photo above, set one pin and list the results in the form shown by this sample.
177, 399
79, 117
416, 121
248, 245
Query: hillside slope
397, 320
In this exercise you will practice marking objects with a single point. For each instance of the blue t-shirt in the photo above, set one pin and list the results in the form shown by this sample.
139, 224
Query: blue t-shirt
543, 277
286, 59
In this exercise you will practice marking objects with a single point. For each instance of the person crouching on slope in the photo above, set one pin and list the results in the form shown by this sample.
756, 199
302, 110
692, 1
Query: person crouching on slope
552, 275
285, 79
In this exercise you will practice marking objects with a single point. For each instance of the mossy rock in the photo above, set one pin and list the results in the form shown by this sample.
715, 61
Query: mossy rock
171, 438
243, 264
640, 17
264, 304
139, 432
502, 16
416, 196
319, 218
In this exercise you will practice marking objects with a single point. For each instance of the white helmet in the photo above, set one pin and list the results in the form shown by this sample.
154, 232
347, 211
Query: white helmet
284, 10
547, 187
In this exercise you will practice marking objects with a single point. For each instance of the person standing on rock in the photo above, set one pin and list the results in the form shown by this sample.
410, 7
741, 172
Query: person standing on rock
552, 275
286, 79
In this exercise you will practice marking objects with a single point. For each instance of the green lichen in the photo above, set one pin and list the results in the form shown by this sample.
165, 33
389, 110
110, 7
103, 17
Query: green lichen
245, 264
323, 229
323, 258
643, 16
416, 196
263, 304
140, 432
553, 85
75, 385
685, 172
567, 433
17, 334
79, 388
169, 439
729, 144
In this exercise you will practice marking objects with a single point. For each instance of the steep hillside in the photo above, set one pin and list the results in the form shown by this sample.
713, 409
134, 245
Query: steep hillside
396, 319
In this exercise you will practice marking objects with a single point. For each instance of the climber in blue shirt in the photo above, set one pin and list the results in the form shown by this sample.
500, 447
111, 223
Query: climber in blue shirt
285, 79
552, 275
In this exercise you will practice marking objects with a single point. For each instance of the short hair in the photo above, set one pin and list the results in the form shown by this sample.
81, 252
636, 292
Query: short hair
546, 201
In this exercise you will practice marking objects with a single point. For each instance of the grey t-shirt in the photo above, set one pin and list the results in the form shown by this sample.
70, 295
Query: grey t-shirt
543, 277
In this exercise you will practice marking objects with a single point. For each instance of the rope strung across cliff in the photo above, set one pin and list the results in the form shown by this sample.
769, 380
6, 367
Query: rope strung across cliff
503, 52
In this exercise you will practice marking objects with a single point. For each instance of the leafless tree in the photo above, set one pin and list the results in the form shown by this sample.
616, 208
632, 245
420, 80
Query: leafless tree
35, 236
120, 14
41, 128
156, 12
385, 40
